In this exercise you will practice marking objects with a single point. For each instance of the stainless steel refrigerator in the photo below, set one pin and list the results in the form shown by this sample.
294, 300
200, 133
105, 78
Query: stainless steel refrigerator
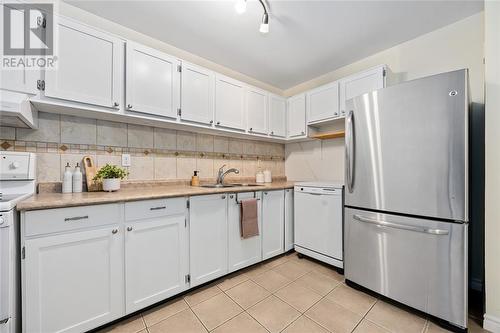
406, 205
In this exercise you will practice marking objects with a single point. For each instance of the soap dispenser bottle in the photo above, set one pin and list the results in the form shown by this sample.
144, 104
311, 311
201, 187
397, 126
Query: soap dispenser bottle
195, 180
77, 179
67, 185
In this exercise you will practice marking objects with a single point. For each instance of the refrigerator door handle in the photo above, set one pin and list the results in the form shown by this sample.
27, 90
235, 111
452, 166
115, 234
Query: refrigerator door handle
382, 223
350, 150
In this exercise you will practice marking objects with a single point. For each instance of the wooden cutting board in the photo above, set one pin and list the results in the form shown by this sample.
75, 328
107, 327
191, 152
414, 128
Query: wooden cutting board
90, 171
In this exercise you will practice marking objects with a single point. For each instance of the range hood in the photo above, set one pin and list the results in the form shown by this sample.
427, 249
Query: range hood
16, 110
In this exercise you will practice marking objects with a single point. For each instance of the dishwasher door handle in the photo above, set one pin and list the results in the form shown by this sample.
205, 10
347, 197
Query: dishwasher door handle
382, 223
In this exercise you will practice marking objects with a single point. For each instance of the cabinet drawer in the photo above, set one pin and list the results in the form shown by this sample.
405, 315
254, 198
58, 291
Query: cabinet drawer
66, 219
139, 210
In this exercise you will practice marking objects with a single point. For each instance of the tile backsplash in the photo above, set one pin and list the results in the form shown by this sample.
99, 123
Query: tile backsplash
156, 153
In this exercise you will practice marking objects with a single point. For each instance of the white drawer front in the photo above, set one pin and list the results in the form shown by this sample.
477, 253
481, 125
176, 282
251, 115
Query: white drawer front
48, 221
139, 210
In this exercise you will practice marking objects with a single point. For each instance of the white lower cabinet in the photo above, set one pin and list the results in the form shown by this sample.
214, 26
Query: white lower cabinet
242, 252
207, 237
273, 223
155, 260
288, 219
73, 282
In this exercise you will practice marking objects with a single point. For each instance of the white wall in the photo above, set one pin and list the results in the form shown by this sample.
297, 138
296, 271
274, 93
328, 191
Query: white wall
456, 46
492, 161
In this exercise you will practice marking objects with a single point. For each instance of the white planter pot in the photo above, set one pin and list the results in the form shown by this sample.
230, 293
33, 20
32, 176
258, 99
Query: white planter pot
111, 184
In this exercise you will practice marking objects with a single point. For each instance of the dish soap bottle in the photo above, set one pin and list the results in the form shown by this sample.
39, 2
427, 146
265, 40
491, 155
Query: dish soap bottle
195, 180
67, 185
77, 179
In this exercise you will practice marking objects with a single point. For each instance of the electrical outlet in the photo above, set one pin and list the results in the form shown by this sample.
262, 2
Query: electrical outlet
126, 161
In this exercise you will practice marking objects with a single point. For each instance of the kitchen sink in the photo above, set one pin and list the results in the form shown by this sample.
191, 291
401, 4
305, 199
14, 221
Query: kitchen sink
246, 184
217, 185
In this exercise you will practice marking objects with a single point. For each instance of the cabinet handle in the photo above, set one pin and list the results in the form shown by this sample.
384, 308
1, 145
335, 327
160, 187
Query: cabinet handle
231, 196
250, 129
265, 193
76, 218
129, 106
130, 228
116, 104
272, 132
114, 231
158, 208
303, 132
211, 121
223, 197
218, 123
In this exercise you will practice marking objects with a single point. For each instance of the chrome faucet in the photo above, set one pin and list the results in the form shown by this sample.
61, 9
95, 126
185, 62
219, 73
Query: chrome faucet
221, 174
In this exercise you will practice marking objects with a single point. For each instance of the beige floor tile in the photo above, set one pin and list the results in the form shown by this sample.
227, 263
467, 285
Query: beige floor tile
304, 325
433, 328
201, 295
329, 271
333, 316
216, 310
273, 314
474, 327
318, 282
256, 270
247, 294
308, 264
182, 322
242, 323
291, 270
367, 326
131, 325
161, 312
298, 296
231, 281
271, 280
395, 319
276, 262
352, 299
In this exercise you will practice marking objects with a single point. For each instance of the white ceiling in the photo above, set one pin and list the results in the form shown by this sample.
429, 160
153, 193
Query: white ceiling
306, 38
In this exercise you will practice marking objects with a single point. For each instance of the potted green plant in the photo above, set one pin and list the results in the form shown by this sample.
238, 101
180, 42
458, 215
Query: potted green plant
111, 175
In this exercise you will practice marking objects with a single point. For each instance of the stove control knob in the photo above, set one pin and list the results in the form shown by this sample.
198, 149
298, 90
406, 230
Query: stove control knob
2, 220
15, 165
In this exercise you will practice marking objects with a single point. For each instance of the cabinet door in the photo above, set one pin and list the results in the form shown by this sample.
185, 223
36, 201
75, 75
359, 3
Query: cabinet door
256, 102
242, 252
297, 116
152, 82
89, 66
277, 116
273, 224
323, 103
229, 103
359, 84
288, 219
18, 79
73, 282
155, 260
208, 237
197, 97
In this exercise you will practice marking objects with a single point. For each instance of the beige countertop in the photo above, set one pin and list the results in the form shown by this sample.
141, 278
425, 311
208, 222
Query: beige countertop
59, 200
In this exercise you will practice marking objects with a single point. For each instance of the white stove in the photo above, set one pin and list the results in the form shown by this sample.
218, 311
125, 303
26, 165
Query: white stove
17, 182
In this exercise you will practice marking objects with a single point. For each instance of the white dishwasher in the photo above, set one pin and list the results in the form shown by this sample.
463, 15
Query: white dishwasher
319, 221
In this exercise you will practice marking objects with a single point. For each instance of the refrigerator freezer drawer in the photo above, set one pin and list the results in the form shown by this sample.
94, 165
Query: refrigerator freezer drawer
418, 262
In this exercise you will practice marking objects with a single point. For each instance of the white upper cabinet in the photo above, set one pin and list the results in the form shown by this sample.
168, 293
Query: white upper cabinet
18, 79
359, 84
152, 81
207, 237
89, 66
229, 103
256, 102
277, 116
197, 94
323, 103
296, 116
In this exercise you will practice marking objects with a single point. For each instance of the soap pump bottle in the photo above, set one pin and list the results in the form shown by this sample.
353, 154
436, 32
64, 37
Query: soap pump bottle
67, 186
77, 179
195, 180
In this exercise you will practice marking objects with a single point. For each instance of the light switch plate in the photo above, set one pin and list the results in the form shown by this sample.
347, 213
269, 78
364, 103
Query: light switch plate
126, 161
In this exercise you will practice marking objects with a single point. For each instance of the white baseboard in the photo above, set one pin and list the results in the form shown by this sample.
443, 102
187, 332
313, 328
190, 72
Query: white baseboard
491, 323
